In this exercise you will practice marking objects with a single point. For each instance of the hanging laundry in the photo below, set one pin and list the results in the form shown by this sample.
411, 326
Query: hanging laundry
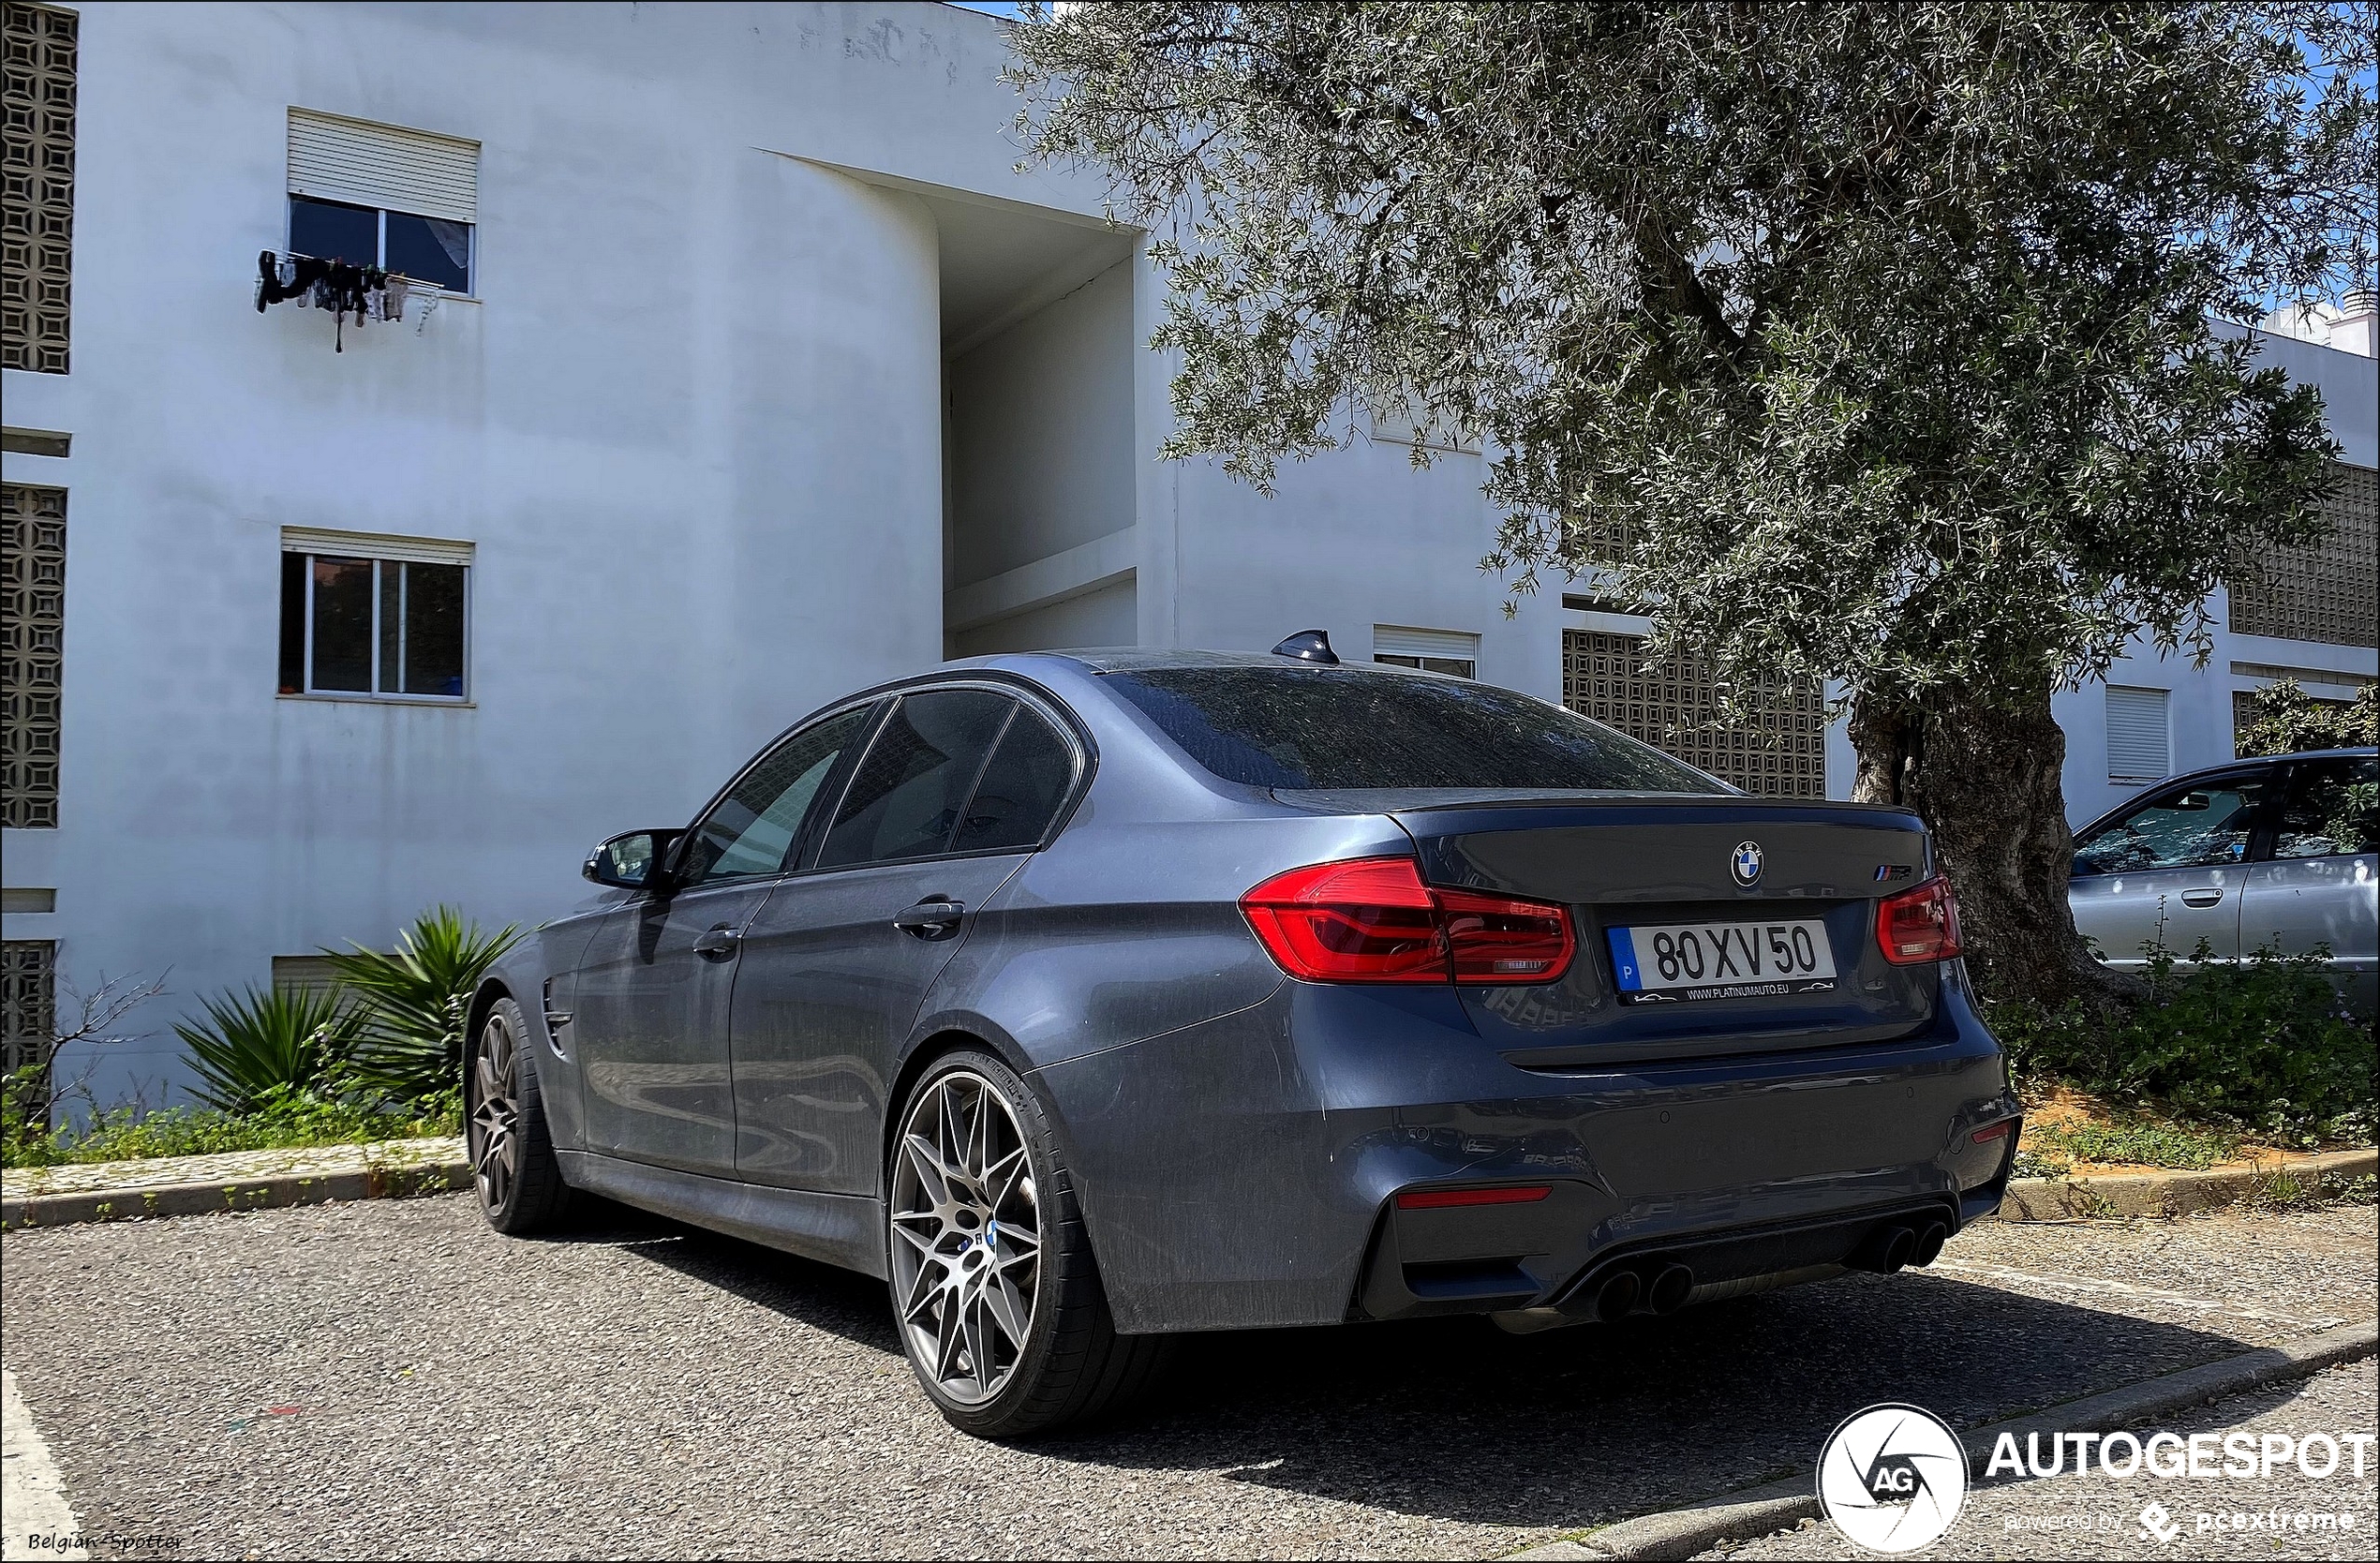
279, 279
367, 292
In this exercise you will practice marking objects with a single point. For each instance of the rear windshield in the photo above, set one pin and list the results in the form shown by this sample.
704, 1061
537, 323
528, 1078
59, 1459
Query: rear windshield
1329, 728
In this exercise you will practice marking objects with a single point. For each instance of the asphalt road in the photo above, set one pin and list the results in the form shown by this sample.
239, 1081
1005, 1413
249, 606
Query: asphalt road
393, 1379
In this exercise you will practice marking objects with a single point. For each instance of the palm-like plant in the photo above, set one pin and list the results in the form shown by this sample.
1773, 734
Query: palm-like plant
415, 999
262, 1040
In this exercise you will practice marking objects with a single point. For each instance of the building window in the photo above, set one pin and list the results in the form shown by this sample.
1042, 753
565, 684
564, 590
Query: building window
28, 1004
1435, 651
304, 973
2326, 592
36, 209
375, 195
2138, 745
367, 619
1774, 747
33, 524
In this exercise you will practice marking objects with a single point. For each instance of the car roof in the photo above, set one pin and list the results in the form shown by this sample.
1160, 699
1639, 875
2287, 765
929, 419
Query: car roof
1134, 659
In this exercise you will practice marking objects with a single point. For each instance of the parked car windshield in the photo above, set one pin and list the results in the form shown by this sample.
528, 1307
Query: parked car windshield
1342, 727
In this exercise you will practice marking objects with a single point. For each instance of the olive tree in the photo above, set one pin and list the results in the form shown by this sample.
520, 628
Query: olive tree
1865, 343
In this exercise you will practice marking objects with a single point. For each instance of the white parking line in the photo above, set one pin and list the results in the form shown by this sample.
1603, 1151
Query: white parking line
30, 1494
2125, 1288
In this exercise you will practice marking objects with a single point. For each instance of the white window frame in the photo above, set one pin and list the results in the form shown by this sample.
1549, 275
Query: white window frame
311, 544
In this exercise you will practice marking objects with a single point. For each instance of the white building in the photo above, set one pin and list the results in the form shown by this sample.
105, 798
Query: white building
759, 373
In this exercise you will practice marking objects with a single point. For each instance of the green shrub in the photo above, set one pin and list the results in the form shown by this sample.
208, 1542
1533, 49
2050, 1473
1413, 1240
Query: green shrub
414, 1001
2259, 1045
267, 1039
281, 1116
2285, 720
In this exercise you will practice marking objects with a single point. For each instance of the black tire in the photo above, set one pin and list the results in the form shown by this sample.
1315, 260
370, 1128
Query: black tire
1072, 1365
513, 1168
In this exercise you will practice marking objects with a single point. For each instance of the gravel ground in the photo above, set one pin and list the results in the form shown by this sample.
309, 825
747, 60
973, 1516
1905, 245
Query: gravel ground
394, 1379
2095, 1516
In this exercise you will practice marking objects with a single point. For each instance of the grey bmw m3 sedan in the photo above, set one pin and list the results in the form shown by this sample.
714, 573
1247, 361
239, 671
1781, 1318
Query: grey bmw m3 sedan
1091, 997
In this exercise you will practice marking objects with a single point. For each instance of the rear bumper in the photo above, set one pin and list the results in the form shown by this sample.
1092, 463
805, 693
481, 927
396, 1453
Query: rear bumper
1242, 1172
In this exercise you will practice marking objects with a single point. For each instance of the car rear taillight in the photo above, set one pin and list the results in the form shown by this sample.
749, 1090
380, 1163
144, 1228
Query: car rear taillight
1371, 919
1918, 925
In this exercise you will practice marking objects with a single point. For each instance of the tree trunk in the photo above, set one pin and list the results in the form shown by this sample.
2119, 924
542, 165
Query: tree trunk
1985, 779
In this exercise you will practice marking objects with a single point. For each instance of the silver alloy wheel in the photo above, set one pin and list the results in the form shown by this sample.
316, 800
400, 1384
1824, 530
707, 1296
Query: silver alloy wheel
966, 1226
494, 1126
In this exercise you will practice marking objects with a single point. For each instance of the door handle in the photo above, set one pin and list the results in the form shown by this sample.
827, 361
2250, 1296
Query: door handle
930, 918
719, 944
2201, 898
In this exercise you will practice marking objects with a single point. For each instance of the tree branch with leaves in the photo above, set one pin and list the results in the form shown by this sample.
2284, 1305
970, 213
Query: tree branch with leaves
1866, 343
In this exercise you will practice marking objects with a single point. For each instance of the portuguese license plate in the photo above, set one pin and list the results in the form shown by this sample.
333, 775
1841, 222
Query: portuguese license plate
1679, 963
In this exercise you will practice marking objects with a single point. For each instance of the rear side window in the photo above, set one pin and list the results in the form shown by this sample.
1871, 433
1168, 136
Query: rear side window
2333, 810
903, 800
1340, 727
1022, 789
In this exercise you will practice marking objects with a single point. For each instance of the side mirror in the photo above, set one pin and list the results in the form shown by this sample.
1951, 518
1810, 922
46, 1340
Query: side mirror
630, 861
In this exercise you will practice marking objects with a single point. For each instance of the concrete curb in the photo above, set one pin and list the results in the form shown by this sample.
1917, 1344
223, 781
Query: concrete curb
18, 1213
2117, 1193
1757, 1511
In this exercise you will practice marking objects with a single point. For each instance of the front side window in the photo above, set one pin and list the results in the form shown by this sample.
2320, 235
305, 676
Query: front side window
906, 798
364, 627
1296, 728
2333, 810
2199, 826
752, 828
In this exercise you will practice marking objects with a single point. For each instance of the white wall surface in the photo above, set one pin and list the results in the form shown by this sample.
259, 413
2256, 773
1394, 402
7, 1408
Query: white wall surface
1041, 427
689, 424
1108, 617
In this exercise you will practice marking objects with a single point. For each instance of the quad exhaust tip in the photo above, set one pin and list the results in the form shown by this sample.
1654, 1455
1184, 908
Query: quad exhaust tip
1655, 1286
1617, 1297
1891, 1247
1667, 1294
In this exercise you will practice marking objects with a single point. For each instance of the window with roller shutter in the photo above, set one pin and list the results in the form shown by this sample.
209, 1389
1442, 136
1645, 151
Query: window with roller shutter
2138, 742
380, 195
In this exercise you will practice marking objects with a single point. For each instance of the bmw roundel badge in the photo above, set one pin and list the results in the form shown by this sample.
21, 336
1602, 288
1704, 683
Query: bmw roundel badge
1745, 865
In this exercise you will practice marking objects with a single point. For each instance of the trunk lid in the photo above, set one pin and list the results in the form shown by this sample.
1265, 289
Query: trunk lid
1743, 869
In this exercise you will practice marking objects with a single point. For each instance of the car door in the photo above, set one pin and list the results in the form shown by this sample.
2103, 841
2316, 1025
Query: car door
2169, 873
2322, 884
957, 785
651, 1008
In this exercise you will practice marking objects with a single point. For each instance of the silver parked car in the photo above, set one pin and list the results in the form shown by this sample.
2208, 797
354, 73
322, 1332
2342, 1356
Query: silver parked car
2274, 853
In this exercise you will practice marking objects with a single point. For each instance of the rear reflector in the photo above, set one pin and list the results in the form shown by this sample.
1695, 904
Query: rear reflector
1990, 1132
1919, 925
1371, 919
1441, 1199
